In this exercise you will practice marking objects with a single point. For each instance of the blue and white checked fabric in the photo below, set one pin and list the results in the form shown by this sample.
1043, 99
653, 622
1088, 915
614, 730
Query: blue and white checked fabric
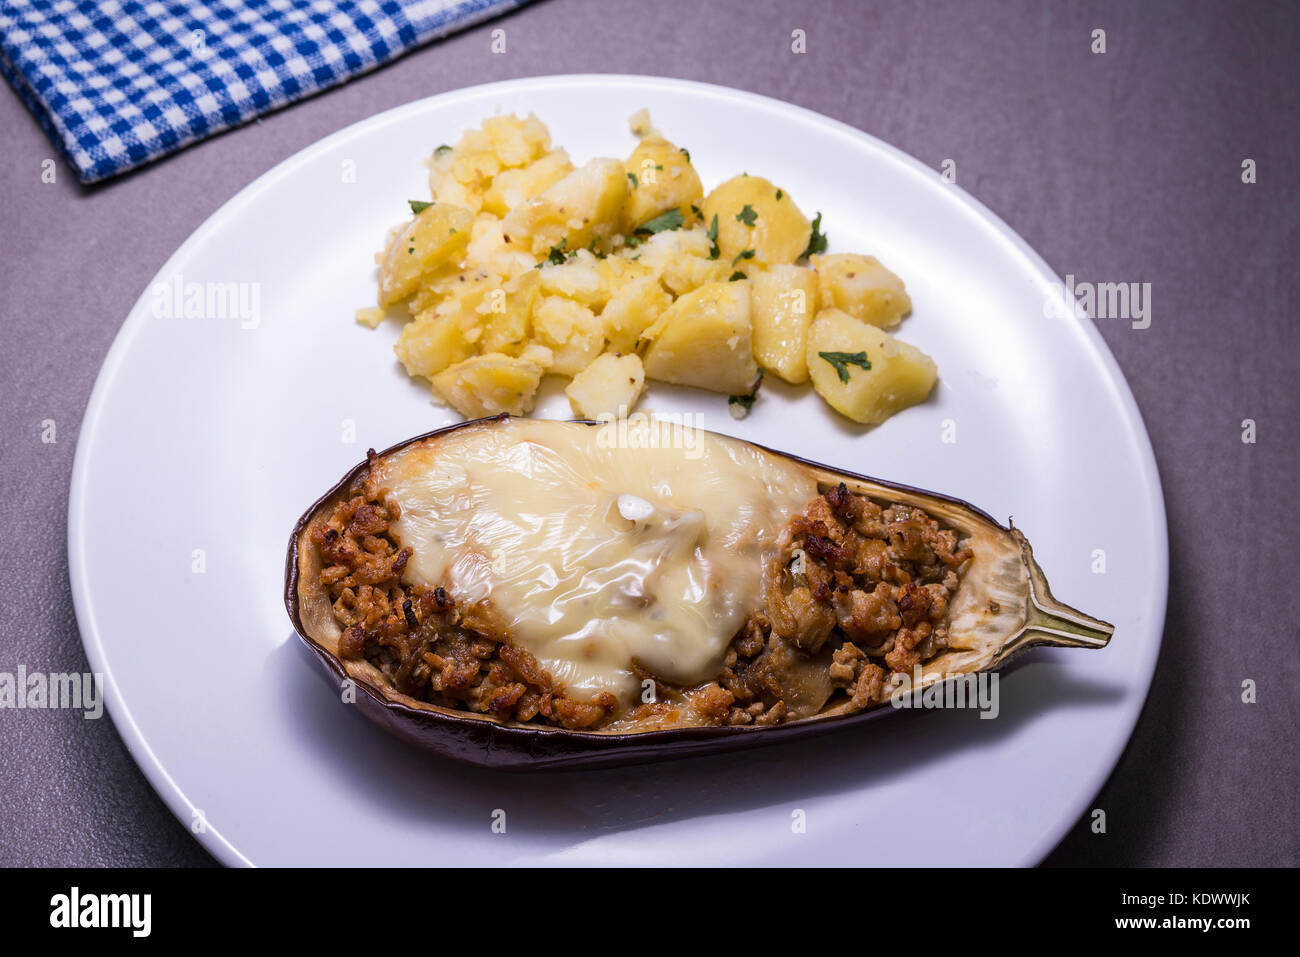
117, 84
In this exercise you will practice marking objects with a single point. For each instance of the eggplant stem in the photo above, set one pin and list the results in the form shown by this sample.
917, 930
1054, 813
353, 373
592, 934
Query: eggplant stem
1049, 621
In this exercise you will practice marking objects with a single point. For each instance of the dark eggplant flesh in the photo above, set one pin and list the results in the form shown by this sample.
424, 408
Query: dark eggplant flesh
1002, 607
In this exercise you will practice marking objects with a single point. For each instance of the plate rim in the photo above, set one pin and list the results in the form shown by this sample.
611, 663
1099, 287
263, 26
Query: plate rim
153, 769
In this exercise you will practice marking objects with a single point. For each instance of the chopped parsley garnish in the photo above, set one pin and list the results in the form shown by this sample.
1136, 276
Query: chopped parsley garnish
632, 177
817, 242
672, 219
714, 252
746, 402
556, 257
747, 216
595, 250
737, 275
686, 153
444, 148
633, 241
779, 194
743, 254
696, 210
842, 360
418, 205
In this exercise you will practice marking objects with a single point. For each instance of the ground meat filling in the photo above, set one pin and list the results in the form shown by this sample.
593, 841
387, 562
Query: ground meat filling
866, 583
426, 645
854, 593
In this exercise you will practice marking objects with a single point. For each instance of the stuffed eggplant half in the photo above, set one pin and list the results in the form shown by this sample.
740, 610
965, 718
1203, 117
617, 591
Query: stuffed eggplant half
525, 593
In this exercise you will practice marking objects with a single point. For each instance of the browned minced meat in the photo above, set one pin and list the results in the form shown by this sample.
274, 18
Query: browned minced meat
869, 585
418, 637
853, 594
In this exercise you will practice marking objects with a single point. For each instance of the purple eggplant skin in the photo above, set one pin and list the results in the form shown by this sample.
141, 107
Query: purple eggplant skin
484, 741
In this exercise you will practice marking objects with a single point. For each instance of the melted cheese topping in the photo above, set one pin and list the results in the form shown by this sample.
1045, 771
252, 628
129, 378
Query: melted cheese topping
598, 546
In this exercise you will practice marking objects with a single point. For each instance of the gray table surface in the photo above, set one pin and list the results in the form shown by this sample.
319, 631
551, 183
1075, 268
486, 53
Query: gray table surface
1117, 167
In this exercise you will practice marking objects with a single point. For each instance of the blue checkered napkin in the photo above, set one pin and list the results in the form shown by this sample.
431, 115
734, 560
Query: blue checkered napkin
117, 84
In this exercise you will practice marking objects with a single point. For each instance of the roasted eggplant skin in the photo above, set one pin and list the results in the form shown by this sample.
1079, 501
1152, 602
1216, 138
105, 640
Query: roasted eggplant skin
486, 741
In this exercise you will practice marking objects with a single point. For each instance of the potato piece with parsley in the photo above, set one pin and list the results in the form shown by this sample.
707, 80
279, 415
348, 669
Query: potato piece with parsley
609, 386
680, 258
490, 384
783, 301
662, 179
513, 187
862, 287
436, 236
574, 333
580, 278
463, 175
586, 205
756, 217
862, 371
705, 339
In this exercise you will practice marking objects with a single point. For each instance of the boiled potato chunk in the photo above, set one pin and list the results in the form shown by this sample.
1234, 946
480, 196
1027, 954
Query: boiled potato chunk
705, 339
636, 305
665, 179
490, 384
779, 232
640, 125
471, 294
900, 374
460, 177
609, 386
516, 142
370, 317
489, 251
584, 206
512, 187
574, 333
449, 330
463, 176
446, 289
862, 287
581, 278
783, 303
508, 322
433, 342
538, 355
436, 236
616, 271
680, 257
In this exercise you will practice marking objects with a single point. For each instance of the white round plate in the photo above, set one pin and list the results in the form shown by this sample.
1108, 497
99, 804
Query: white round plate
206, 437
